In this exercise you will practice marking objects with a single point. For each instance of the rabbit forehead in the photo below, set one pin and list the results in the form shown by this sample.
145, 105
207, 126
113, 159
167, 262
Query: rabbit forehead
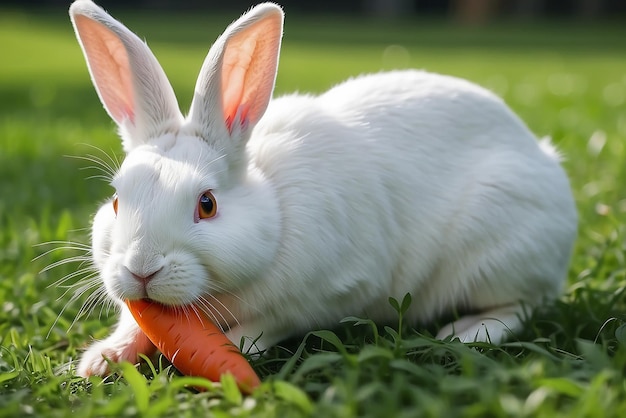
187, 166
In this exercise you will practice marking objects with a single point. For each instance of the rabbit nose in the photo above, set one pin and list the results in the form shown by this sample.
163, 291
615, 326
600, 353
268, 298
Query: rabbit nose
144, 278
142, 264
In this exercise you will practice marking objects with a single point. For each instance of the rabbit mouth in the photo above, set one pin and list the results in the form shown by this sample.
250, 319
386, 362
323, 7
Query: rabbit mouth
211, 307
177, 280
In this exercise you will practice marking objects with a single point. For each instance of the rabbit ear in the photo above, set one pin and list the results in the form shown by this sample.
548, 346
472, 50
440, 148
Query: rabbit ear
129, 80
237, 78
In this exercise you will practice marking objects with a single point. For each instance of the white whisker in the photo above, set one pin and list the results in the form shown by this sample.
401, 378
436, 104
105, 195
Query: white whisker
98, 297
93, 272
225, 308
84, 280
206, 308
107, 164
58, 242
80, 290
194, 309
213, 286
75, 259
61, 245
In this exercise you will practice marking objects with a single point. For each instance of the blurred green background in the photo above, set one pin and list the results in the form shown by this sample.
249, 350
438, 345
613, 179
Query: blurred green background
565, 77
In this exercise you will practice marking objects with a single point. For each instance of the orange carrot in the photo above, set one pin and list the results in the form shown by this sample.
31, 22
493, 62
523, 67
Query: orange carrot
194, 344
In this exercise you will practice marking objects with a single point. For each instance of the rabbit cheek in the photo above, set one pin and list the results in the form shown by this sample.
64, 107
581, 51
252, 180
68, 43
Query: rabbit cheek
101, 235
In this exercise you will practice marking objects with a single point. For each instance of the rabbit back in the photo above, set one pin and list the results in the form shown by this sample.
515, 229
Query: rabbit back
411, 182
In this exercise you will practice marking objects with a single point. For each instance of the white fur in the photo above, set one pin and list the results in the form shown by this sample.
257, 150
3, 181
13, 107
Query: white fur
386, 184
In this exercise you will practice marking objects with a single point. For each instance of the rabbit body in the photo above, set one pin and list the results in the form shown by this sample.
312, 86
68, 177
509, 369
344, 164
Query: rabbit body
406, 182
387, 184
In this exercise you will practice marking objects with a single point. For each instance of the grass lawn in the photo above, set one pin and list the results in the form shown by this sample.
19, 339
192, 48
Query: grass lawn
565, 80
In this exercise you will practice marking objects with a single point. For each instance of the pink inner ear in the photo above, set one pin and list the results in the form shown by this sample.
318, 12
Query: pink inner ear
249, 70
235, 67
110, 68
130, 114
243, 118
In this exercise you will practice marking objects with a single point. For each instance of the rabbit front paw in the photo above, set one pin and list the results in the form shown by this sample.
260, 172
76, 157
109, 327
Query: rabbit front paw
95, 361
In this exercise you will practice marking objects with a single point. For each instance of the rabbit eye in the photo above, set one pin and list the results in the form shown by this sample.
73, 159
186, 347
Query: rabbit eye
115, 204
207, 206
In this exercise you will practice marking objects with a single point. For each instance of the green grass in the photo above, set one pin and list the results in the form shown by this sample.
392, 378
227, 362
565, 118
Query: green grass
565, 80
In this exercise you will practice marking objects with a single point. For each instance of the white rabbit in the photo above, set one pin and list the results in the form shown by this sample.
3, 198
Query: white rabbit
280, 216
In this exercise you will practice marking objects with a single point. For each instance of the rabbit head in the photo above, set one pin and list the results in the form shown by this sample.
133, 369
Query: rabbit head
189, 216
